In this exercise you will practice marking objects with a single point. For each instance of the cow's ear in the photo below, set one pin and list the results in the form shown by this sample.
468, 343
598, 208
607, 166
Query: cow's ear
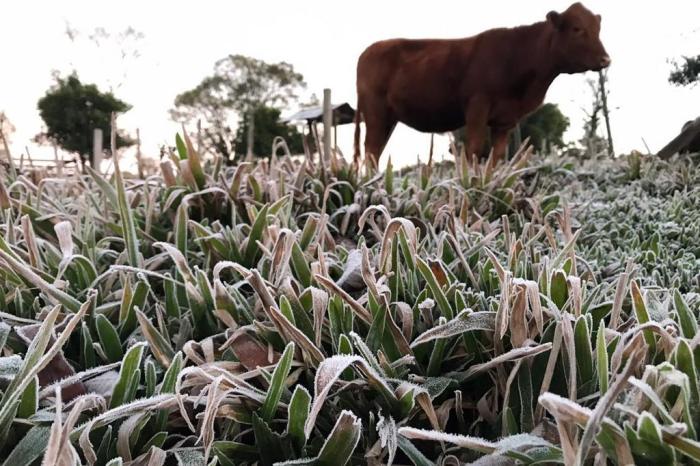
554, 18
599, 18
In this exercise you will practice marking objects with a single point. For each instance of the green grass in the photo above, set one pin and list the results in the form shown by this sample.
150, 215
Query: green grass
543, 312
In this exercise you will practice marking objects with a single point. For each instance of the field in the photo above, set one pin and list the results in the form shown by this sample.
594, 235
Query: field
277, 312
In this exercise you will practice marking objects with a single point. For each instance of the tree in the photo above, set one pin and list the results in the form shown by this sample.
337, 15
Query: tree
686, 73
71, 112
267, 128
545, 127
237, 88
592, 142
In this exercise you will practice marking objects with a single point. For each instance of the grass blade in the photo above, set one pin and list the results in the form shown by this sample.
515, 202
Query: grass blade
279, 376
341, 442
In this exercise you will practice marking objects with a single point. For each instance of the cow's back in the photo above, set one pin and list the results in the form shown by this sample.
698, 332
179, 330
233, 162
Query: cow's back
418, 80
391, 56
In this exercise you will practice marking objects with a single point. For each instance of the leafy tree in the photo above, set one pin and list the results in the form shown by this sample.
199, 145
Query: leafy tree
267, 127
237, 88
71, 112
686, 73
545, 127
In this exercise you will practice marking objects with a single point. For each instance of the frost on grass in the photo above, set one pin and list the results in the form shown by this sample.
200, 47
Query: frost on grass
437, 289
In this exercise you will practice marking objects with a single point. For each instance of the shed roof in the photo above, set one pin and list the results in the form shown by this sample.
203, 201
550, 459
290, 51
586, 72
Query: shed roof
344, 114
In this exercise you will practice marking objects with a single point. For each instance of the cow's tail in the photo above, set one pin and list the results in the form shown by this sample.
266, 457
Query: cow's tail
358, 119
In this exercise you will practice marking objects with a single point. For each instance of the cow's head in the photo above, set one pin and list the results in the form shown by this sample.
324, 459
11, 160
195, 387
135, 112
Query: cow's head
576, 41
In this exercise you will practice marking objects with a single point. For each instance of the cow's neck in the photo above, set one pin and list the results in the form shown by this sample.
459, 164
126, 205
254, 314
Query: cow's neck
530, 68
535, 42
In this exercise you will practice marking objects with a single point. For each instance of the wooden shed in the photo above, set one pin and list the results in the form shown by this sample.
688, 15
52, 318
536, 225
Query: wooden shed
343, 114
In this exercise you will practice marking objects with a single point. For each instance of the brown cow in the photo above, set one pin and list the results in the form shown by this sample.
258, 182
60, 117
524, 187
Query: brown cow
491, 80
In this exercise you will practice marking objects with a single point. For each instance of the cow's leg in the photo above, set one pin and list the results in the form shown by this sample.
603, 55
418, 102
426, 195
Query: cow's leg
476, 121
379, 124
500, 142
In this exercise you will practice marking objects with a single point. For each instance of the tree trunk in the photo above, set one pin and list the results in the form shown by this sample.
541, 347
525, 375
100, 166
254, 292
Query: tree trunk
604, 100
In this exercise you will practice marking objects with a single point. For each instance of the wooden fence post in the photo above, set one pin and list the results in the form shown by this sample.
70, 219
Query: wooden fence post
97, 149
29, 157
138, 153
59, 162
199, 136
327, 123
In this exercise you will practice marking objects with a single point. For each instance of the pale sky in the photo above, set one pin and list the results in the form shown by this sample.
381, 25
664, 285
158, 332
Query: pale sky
323, 39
